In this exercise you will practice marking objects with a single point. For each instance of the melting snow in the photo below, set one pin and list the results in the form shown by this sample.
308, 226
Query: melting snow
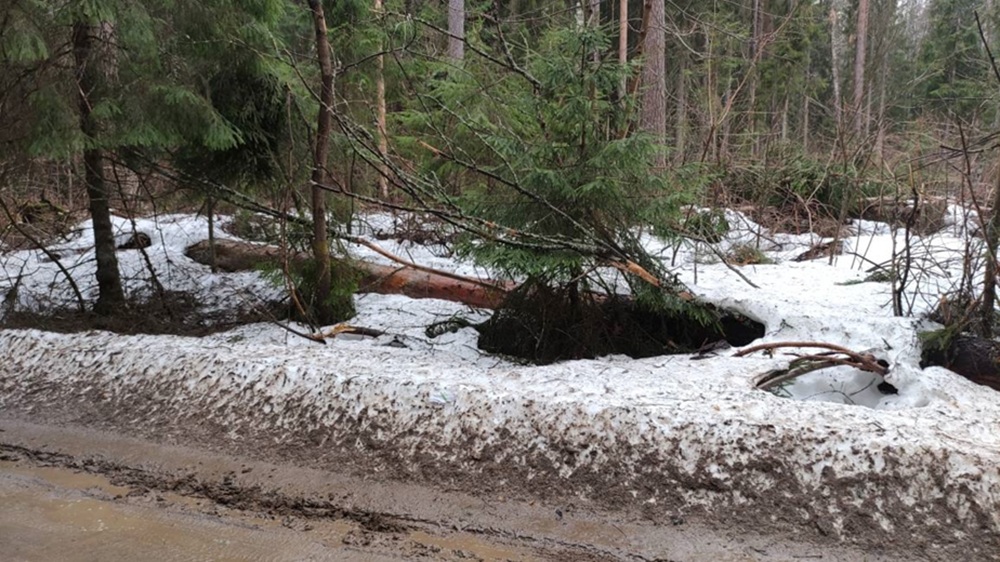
429, 394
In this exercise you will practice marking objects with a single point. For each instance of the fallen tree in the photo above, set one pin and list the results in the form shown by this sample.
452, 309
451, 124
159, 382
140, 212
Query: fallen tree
407, 279
561, 329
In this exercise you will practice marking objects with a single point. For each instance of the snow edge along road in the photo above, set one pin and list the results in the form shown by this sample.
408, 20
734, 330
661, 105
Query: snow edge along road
870, 477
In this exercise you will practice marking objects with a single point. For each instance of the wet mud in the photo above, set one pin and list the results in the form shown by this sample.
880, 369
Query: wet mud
77, 494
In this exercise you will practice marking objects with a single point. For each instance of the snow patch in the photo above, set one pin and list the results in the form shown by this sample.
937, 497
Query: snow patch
655, 430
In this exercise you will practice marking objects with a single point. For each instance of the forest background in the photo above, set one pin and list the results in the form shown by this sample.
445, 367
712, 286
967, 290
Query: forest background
542, 130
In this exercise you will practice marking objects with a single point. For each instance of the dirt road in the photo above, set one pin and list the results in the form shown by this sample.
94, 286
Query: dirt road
73, 494
54, 513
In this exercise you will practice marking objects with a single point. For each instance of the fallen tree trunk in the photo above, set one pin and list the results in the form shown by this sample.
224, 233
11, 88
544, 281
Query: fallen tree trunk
927, 216
406, 280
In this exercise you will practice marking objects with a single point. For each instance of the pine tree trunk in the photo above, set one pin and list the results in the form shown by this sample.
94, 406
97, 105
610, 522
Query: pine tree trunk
654, 86
111, 296
324, 126
456, 30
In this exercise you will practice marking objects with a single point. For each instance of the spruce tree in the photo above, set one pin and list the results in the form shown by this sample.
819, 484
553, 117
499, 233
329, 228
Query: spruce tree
563, 187
954, 67
127, 75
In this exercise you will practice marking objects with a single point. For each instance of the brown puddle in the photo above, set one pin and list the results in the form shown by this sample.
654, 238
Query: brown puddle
58, 514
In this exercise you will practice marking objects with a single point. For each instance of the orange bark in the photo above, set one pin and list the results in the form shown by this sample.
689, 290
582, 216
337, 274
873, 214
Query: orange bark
374, 278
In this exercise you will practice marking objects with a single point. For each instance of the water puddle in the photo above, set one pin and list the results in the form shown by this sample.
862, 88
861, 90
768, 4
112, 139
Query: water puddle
52, 513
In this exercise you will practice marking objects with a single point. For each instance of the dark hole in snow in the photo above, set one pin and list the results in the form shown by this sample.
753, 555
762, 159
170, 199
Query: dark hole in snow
886, 388
543, 326
133, 241
169, 312
973, 357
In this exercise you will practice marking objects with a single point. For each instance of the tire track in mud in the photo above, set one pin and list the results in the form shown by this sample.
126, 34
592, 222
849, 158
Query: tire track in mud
376, 529
386, 518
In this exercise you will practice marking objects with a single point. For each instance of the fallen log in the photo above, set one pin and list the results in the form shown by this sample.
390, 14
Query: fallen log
927, 217
409, 280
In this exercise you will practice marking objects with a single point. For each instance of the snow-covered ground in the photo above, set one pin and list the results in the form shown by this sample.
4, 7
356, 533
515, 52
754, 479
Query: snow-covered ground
665, 431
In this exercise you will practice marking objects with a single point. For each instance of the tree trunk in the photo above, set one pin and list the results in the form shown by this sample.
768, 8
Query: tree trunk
654, 85
383, 143
681, 125
805, 124
756, 33
210, 212
860, 53
111, 296
784, 120
456, 30
324, 126
623, 43
234, 256
988, 311
835, 43
880, 132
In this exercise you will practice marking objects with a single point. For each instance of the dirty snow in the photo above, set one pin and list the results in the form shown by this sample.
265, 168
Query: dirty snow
702, 418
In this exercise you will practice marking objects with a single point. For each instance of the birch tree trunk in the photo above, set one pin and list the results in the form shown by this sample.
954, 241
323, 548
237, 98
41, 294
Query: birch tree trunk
880, 131
456, 30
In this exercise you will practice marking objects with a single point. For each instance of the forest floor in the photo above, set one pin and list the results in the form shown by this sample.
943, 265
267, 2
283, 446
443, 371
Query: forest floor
74, 494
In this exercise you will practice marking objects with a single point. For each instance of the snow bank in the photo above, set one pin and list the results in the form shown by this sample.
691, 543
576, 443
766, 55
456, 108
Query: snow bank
669, 434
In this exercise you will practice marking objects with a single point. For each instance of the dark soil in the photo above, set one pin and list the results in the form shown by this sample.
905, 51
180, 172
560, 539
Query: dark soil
544, 326
973, 357
171, 313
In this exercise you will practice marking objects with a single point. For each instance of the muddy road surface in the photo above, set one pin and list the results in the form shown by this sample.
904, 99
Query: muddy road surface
73, 494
